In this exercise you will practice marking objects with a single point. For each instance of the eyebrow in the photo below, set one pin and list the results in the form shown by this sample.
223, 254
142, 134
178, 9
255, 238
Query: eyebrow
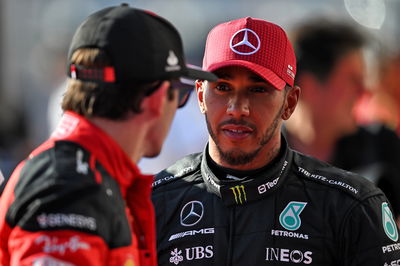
224, 76
256, 78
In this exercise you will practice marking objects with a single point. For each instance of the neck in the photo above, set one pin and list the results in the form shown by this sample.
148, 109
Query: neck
129, 135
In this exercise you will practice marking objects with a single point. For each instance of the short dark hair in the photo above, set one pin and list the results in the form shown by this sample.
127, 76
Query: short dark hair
320, 43
106, 100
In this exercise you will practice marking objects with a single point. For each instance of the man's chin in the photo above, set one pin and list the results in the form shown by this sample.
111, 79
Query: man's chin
152, 154
240, 151
238, 156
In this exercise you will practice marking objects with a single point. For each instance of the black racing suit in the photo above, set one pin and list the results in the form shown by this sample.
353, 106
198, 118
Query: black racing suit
296, 211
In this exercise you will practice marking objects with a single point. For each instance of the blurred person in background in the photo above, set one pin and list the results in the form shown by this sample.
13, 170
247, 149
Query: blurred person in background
331, 72
248, 198
79, 198
382, 104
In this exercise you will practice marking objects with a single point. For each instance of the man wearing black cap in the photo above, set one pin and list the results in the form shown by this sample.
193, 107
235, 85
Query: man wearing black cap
248, 199
79, 199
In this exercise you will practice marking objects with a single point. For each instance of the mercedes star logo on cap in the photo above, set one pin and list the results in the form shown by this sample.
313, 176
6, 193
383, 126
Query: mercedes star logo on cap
192, 213
253, 45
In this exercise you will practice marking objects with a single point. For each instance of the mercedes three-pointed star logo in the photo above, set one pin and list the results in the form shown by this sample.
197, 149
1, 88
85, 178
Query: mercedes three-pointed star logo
192, 213
245, 42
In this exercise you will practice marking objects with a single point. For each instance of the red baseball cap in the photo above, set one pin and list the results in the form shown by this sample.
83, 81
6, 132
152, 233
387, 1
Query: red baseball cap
255, 44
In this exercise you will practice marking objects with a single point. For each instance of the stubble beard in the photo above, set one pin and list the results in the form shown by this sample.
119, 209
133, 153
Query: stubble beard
238, 157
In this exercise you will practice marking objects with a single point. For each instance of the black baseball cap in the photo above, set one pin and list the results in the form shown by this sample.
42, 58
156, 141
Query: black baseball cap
142, 46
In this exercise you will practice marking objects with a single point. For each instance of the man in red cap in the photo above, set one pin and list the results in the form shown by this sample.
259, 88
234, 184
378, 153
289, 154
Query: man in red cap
248, 199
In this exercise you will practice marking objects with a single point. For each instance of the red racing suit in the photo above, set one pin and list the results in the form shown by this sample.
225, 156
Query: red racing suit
77, 200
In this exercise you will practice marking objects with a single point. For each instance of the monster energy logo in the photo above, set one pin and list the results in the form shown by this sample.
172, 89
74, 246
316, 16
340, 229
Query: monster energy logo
290, 216
239, 193
389, 224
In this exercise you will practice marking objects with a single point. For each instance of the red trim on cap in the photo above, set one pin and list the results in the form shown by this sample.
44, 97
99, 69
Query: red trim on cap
105, 74
109, 74
73, 71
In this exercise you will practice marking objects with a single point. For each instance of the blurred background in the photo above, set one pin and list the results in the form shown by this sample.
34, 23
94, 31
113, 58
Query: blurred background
34, 38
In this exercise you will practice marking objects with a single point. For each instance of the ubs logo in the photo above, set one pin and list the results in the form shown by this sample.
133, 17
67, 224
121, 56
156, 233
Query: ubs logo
190, 254
192, 213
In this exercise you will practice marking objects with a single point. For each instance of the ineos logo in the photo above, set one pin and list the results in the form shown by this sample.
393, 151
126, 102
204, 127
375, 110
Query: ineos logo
192, 213
253, 46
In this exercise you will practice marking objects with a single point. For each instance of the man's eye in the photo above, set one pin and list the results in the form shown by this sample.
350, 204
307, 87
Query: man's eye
222, 87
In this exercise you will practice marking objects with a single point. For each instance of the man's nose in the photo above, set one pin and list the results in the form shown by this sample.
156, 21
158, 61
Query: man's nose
238, 106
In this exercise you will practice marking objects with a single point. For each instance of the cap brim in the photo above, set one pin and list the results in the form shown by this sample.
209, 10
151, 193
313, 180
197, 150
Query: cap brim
194, 74
263, 72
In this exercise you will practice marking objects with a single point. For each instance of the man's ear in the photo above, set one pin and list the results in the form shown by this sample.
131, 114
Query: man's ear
200, 85
154, 103
292, 98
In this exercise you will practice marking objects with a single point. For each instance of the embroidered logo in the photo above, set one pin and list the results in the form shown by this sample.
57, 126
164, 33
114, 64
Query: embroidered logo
389, 224
239, 193
81, 166
192, 213
172, 61
290, 216
55, 245
176, 256
245, 46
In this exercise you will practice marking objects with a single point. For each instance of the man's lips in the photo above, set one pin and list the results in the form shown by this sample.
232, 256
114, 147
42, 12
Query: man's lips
236, 131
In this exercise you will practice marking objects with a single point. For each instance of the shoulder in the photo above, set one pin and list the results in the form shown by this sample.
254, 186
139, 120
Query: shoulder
66, 162
379, 131
64, 188
49, 180
333, 178
182, 168
54, 174
370, 138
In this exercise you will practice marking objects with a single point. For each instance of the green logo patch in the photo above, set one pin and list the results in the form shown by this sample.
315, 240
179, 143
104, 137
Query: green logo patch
290, 216
389, 225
